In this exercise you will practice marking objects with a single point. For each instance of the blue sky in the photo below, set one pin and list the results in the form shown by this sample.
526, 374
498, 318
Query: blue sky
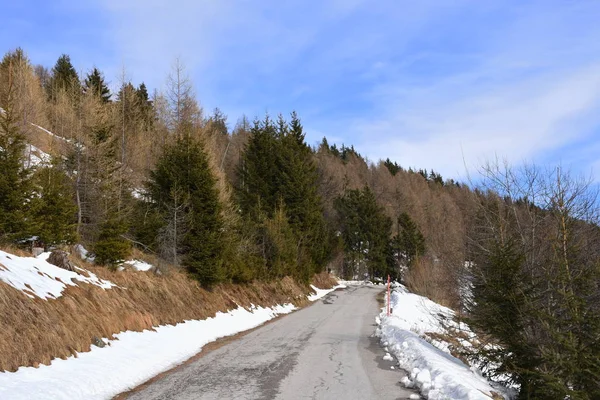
429, 83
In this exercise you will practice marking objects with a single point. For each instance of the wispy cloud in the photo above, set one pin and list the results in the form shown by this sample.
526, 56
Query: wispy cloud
425, 83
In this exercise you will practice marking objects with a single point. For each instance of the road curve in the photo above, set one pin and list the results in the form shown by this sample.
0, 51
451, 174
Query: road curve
325, 351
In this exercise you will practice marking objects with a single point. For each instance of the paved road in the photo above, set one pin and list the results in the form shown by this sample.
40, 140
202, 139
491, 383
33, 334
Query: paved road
324, 351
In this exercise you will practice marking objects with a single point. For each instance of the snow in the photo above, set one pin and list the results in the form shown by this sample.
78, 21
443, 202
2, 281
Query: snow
36, 157
432, 369
50, 133
83, 253
139, 265
319, 293
354, 283
37, 278
129, 361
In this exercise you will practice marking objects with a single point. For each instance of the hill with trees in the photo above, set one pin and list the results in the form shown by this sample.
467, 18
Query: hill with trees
517, 252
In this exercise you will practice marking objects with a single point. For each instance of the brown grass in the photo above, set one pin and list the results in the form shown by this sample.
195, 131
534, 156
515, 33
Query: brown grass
17, 251
35, 331
428, 279
324, 280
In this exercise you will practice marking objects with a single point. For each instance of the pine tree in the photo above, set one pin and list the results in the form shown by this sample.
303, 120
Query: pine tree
64, 78
259, 180
184, 192
145, 107
15, 183
53, 206
409, 243
278, 172
366, 231
94, 84
110, 248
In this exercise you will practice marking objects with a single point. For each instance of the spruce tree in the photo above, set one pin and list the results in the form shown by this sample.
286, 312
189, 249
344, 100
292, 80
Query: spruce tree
95, 85
64, 78
259, 180
365, 230
15, 183
111, 248
144, 107
183, 190
277, 169
409, 243
53, 207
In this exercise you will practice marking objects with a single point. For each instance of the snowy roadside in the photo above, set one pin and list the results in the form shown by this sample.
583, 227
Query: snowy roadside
432, 369
319, 293
131, 360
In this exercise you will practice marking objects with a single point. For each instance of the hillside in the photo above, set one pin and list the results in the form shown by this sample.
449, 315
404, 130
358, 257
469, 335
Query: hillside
51, 313
256, 211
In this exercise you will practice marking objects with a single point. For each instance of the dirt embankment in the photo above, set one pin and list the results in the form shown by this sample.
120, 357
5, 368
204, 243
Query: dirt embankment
35, 331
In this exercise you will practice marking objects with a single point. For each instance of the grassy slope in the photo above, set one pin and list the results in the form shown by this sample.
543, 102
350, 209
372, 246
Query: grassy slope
35, 331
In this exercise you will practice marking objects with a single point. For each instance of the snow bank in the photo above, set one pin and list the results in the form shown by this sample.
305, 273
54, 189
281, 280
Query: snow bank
319, 293
84, 254
432, 369
37, 277
354, 283
129, 361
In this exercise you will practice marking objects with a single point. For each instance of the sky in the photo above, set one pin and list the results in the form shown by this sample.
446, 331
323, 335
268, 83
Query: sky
436, 84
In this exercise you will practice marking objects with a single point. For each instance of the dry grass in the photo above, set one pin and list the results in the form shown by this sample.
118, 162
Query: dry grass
324, 280
36, 331
428, 279
17, 251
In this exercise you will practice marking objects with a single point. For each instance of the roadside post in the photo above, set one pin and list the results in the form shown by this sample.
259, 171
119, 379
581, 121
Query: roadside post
388, 296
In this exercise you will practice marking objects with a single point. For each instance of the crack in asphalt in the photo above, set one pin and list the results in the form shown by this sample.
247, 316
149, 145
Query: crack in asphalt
320, 352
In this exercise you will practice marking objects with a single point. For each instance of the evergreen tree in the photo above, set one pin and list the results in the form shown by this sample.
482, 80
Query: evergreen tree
278, 172
184, 193
498, 306
409, 243
259, 181
391, 166
64, 77
218, 122
366, 231
144, 106
111, 248
299, 191
94, 84
15, 183
53, 207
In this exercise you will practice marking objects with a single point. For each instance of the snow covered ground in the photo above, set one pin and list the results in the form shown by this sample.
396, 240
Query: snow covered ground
319, 293
36, 157
139, 265
37, 278
432, 369
129, 361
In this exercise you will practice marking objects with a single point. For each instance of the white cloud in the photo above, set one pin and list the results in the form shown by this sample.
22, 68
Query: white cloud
519, 121
428, 82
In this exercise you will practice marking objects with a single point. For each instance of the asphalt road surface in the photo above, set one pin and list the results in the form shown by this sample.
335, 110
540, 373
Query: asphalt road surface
325, 351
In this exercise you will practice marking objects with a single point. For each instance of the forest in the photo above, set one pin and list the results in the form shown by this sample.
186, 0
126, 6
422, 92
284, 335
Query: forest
516, 251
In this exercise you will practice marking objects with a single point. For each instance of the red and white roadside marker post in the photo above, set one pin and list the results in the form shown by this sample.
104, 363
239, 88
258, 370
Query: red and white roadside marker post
388, 297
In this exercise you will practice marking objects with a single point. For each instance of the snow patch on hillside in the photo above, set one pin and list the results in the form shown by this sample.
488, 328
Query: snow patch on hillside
37, 278
51, 134
431, 367
36, 157
139, 265
131, 360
